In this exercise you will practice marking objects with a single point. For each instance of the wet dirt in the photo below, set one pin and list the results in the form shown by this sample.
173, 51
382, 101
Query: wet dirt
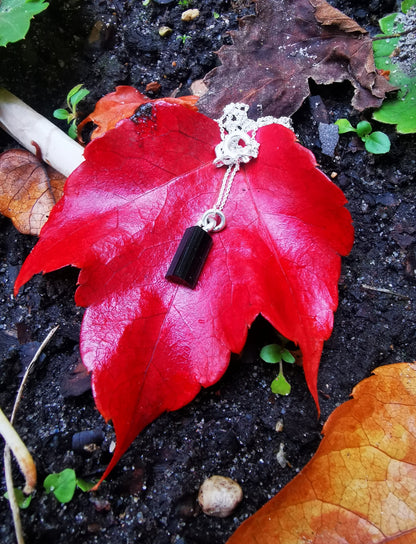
230, 428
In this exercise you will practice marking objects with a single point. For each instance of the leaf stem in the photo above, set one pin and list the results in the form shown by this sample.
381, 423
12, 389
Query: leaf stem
396, 35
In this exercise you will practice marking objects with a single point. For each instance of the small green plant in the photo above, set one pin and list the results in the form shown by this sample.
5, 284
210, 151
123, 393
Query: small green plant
22, 500
70, 115
146, 2
184, 38
185, 3
374, 142
277, 353
63, 484
216, 15
15, 17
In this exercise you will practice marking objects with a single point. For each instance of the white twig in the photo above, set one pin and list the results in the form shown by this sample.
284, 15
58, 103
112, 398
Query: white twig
28, 127
14, 442
29, 369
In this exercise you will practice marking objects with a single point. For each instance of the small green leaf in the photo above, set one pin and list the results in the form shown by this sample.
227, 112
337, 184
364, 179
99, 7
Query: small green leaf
363, 128
73, 91
60, 113
280, 386
271, 353
15, 17
84, 485
61, 484
72, 131
344, 126
401, 109
407, 4
22, 500
78, 96
287, 356
377, 143
388, 24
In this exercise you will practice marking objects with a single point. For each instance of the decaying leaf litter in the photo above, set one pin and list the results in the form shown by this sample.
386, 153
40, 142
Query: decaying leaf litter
400, 235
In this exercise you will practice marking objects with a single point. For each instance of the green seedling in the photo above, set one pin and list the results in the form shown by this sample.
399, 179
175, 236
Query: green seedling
374, 142
276, 353
15, 17
185, 3
216, 15
63, 484
394, 55
184, 38
22, 500
70, 115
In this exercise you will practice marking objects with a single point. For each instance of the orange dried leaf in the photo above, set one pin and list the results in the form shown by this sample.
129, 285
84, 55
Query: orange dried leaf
359, 488
28, 190
121, 104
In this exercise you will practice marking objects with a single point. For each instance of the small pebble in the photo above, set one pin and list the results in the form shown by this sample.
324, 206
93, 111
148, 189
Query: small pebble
219, 496
328, 134
165, 31
87, 441
281, 456
190, 14
279, 425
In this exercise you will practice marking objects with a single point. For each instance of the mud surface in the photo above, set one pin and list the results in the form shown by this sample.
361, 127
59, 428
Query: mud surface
229, 429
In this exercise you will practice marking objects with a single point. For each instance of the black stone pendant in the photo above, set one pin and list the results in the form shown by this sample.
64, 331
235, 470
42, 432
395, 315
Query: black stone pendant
190, 257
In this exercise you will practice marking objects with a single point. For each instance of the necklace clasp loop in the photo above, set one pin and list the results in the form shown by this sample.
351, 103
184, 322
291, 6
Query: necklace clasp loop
212, 221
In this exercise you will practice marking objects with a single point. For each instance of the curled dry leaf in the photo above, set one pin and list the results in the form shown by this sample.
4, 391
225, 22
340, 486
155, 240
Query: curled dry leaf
360, 485
121, 104
329, 16
275, 54
28, 190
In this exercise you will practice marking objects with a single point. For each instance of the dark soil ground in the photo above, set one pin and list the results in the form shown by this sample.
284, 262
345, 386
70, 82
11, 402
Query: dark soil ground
229, 429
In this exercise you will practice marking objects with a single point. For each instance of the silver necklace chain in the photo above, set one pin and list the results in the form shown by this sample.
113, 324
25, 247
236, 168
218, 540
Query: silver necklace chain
235, 127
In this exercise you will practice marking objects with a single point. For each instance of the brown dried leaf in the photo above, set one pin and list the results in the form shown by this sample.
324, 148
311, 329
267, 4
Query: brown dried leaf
28, 190
328, 15
274, 54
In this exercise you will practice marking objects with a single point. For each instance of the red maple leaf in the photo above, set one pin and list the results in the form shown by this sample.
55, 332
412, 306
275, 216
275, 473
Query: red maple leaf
149, 343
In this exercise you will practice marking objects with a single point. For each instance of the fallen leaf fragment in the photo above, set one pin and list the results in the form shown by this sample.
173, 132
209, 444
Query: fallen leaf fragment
274, 55
28, 190
327, 15
21, 453
359, 487
121, 104
151, 344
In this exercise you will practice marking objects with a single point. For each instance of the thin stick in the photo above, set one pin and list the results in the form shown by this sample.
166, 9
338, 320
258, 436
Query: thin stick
396, 35
7, 458
28, 370
34, 132
384, 290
